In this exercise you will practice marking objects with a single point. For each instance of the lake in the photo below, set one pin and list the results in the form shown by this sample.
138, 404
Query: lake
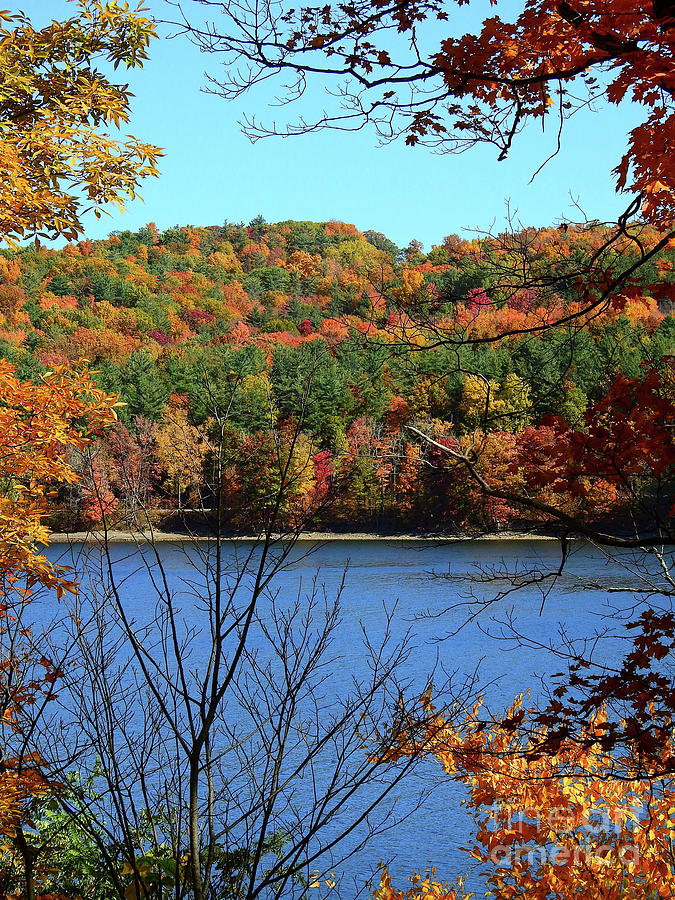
438, 592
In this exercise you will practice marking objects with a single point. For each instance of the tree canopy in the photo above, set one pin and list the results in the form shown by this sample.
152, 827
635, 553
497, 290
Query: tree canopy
60, 114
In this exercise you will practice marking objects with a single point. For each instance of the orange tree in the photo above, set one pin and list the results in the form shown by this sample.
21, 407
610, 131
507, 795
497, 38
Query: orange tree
550, 823
58, 155
39, 425
58, 160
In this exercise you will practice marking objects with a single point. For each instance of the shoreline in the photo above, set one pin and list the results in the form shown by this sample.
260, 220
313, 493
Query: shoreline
126, 537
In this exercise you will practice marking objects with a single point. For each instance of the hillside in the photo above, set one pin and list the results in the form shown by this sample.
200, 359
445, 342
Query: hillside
317, 325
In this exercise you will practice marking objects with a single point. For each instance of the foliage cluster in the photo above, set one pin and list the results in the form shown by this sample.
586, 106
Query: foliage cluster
319, 323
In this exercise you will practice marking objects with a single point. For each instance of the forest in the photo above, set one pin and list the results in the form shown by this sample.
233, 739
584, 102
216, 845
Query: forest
310, 326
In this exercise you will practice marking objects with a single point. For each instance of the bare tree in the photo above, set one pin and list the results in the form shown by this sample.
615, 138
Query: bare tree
223, 745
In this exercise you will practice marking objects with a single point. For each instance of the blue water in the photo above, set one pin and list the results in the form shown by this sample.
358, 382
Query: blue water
437, 594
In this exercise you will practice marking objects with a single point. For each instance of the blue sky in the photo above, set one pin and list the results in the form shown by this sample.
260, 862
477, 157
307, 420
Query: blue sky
211, 172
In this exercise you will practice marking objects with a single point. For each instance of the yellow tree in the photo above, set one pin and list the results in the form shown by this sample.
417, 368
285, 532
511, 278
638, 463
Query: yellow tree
485, 404
478, 399
58, 158
512, 406
182, 447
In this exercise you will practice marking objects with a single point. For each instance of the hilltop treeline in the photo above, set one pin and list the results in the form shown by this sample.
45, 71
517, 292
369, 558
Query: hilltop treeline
318, 328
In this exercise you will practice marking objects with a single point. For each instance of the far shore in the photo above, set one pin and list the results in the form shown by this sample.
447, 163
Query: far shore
120, 537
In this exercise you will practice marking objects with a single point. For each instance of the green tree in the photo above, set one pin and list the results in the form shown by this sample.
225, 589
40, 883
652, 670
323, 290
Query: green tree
572, 404
309, 385
142, 387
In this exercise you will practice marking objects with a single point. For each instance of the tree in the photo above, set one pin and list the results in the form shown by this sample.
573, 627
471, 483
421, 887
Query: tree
40, 425
555, 821
57, 161
218, 757
181, 448
98, 499
57, 156
481, 87
309, 383
487, 404
142, 387
134, 466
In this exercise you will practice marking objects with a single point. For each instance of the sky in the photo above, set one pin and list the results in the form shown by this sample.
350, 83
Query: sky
211, 172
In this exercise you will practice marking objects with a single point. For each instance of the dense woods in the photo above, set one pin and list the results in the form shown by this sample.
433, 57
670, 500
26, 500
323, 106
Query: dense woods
351, 340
